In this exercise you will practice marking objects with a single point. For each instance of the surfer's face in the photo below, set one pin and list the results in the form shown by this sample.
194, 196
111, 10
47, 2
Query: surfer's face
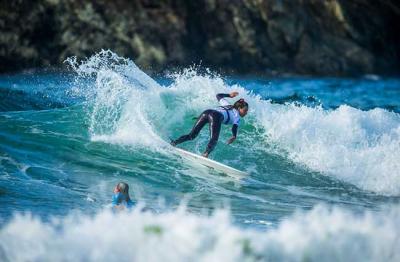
243, 111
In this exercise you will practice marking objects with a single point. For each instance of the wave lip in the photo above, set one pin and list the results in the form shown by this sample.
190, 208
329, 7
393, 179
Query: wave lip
321, 234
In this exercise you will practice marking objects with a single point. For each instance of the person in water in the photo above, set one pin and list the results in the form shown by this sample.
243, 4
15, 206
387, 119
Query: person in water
121, 199
225, 114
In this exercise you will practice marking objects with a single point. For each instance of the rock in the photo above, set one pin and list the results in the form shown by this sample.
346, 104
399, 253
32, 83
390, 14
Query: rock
318, 37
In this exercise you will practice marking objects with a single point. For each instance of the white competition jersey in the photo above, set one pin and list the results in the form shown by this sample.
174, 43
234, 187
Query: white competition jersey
234, 117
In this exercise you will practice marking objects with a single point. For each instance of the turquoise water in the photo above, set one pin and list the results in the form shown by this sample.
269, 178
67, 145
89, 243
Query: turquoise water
322, 156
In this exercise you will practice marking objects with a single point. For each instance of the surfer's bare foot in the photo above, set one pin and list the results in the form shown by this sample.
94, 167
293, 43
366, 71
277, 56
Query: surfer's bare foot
205, 154
173, 143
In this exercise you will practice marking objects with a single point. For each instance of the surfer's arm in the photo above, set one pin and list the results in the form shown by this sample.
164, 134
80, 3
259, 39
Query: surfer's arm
234, 130
221, 98
234, 133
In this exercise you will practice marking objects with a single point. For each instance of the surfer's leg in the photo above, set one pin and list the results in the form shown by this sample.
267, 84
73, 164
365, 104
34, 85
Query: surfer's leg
200, 123
215, 120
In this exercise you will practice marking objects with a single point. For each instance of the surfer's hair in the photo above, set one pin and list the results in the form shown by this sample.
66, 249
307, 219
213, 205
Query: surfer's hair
240, 104
124, 189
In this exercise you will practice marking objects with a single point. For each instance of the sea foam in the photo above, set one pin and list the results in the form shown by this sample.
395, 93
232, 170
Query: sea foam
355, 146
322, 234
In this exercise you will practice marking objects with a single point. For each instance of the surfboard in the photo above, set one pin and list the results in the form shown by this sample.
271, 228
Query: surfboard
211, 164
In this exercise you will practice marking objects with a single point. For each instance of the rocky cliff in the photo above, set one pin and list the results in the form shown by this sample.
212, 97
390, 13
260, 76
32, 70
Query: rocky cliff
317, 37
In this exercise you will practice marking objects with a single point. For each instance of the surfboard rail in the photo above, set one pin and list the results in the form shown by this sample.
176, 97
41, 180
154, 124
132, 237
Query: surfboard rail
230, 171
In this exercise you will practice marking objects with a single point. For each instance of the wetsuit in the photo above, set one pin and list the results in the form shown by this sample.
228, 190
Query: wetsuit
120, 199
225, 114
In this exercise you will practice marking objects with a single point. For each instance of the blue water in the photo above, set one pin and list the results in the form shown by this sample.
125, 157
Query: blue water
322, 156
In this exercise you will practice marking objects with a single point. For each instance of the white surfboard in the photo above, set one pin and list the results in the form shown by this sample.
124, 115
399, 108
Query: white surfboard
211, 164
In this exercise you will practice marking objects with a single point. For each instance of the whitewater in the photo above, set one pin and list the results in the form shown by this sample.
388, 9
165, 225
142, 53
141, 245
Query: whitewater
322, 157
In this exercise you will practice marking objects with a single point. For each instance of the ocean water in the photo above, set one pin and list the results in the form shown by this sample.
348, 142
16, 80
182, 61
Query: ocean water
322, 155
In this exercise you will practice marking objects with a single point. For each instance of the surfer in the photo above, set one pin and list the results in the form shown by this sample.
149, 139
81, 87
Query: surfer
225, 114
121, 199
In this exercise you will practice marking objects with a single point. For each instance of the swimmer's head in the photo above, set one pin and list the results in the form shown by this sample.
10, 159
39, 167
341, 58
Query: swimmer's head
123, 189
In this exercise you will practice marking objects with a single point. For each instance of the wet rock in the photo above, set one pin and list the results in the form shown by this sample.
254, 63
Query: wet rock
319, 37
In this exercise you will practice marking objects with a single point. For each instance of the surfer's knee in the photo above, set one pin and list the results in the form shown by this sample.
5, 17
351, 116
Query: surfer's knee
193, 135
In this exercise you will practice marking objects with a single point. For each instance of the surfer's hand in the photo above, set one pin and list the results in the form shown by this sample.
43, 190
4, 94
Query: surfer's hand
230, 140
233, 94
205, 154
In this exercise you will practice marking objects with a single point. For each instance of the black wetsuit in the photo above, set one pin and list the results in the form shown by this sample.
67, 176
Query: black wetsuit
215, 118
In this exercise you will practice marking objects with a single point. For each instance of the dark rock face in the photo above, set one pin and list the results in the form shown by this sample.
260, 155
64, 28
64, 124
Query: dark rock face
319, 37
